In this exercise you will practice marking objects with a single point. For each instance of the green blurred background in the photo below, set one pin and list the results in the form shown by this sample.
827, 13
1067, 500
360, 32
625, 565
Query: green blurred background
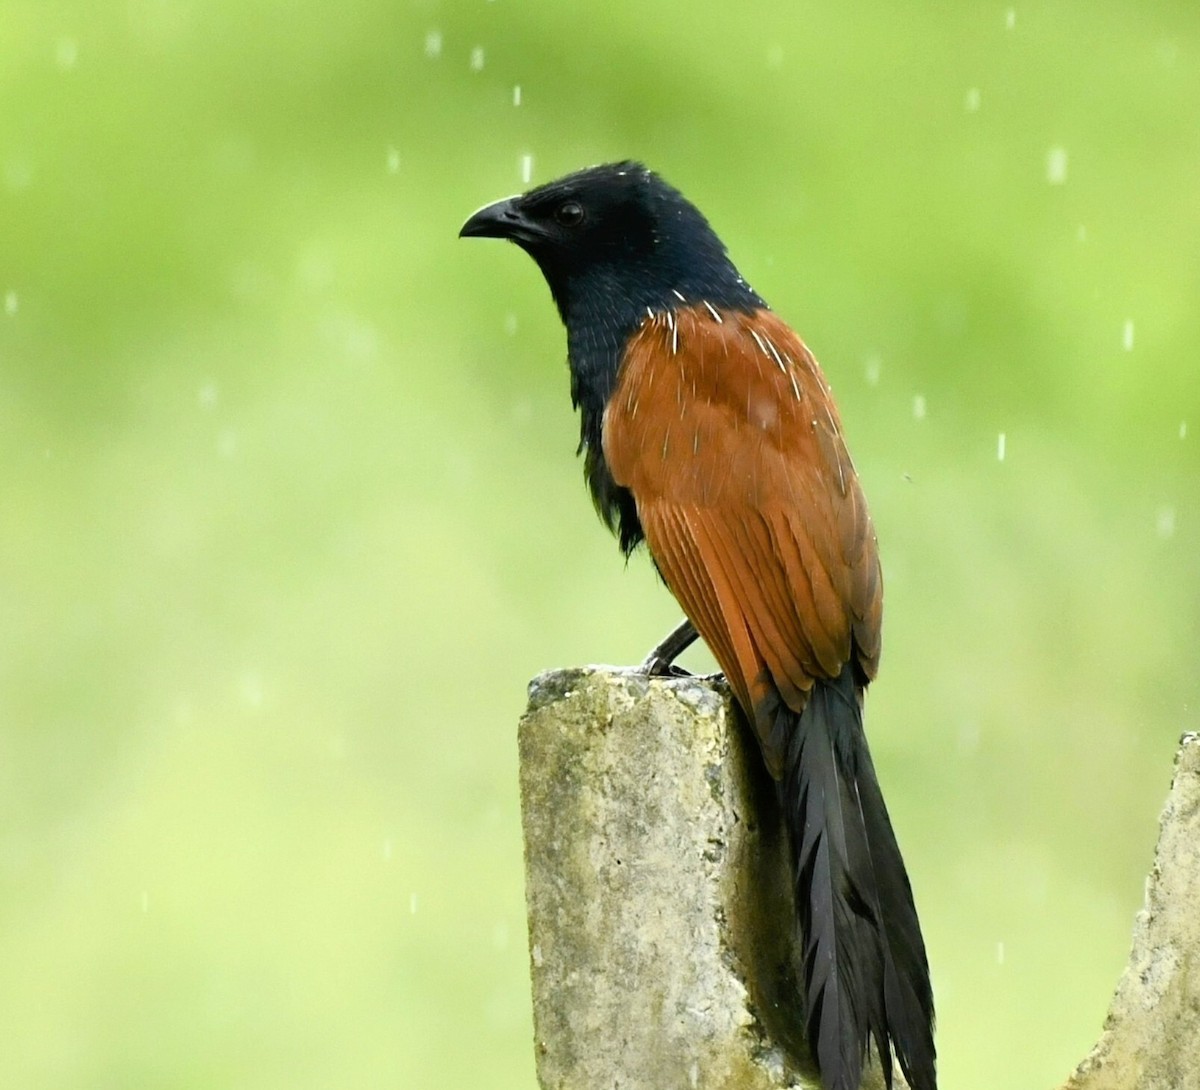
290, 511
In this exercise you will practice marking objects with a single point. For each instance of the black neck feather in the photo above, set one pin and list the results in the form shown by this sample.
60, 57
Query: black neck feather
601, 311
632, 246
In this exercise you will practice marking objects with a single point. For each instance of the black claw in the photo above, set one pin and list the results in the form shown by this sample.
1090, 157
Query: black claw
659, 662
656, 666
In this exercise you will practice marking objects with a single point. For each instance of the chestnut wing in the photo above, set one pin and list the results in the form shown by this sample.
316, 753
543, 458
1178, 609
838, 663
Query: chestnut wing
722, 427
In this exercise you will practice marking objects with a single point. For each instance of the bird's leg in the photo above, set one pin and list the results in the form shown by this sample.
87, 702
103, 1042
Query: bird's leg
660, 661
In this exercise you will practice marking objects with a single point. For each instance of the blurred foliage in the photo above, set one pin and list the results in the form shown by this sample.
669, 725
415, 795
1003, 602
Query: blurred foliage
290, 511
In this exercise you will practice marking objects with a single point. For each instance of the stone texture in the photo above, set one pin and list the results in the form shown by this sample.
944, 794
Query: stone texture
1151, 1038
659, 908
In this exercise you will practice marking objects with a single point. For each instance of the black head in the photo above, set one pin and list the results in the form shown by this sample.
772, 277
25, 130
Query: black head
616, 236
614, 242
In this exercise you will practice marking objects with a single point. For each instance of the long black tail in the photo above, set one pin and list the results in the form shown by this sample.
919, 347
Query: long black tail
865, 972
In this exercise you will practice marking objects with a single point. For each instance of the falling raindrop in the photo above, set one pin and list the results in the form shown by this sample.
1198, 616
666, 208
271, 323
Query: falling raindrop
433, 44
11, 303
1165, 522
874, 369
412, 904
1000, 445
517, 95
1127, 335
1056, 165
66, 53
393, 161
477, 59
918, 407
510, 324
1010, 18
1000, 953
251, 690
18, 173
526, 168
972, 100
1183, 429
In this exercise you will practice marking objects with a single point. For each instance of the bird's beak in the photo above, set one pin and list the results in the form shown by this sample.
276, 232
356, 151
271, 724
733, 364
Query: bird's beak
499, 220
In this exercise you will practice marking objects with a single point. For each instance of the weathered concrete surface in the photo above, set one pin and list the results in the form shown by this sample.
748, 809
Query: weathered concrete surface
1151, 1038
660, 916
646, 866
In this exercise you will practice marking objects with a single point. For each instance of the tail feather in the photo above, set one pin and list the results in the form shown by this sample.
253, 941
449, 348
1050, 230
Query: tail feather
866, 978
908, 997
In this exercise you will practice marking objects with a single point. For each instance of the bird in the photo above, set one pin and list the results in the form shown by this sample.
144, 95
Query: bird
709, 432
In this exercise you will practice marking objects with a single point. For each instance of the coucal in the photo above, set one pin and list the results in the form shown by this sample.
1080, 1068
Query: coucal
709, 431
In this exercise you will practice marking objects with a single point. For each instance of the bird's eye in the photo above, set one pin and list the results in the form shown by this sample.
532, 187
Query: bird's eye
569, 213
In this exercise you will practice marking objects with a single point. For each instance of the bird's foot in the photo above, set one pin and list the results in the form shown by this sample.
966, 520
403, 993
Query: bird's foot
661, 661
656, 665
